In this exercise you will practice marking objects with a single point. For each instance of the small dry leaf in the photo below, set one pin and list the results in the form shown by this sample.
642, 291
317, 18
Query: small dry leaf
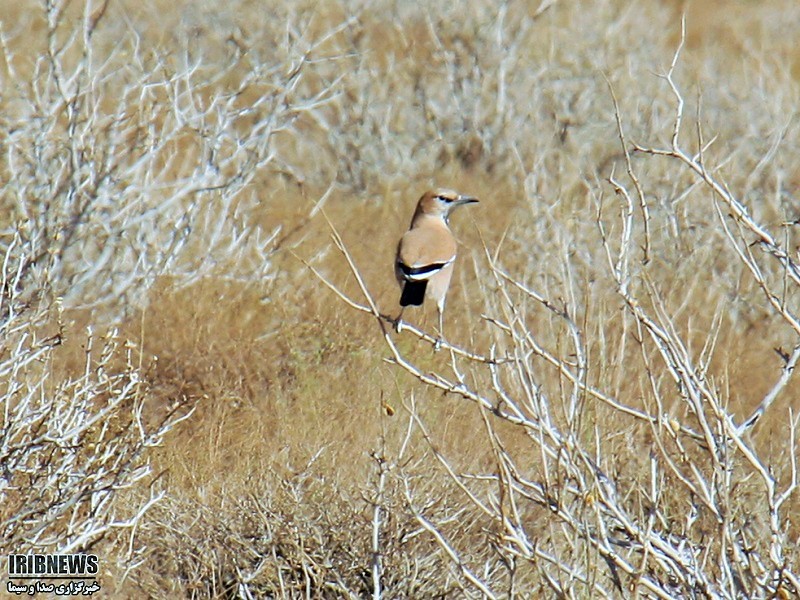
674, 425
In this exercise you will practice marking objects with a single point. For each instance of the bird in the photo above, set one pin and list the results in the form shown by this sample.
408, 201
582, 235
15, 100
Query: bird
427, 251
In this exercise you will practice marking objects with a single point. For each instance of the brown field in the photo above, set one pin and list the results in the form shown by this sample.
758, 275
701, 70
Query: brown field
183, 395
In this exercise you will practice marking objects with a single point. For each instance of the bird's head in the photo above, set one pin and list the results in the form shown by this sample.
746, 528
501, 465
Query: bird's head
440, 202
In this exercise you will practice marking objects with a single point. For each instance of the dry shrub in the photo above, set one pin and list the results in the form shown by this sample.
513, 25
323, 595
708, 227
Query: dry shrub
165, 170
73, 443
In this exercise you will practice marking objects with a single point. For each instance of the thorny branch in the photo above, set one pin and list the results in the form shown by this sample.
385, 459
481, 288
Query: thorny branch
629, 529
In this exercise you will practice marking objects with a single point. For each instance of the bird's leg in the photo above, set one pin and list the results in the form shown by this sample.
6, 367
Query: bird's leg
438, 345
398, 322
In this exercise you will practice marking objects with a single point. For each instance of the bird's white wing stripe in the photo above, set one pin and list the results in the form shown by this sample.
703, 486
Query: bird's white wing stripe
422, 272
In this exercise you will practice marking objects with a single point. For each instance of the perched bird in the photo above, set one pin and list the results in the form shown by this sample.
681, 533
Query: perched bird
426, 252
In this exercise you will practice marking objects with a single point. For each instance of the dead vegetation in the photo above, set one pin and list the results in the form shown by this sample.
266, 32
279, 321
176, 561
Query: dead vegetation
183, 394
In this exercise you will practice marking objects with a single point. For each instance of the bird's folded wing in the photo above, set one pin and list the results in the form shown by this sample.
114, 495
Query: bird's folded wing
422, 272
424, 251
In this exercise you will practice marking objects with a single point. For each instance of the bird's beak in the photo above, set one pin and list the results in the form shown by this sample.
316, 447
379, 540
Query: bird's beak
466, 200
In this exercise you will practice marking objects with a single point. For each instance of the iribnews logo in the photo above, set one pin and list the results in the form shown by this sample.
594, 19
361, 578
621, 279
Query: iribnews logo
52, 566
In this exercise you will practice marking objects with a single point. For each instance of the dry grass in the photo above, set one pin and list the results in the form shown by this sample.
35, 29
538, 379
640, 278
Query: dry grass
171, 183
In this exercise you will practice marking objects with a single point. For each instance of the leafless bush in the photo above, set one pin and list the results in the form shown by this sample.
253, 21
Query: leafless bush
69, 447
449, 86
629, 263
122, 164
627, 473
125, 163
294, 534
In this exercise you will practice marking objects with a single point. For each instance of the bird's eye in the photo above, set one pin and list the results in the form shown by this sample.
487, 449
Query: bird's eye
444, 198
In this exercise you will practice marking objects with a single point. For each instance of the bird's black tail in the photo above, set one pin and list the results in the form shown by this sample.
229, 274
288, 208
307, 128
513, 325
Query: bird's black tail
413, 293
